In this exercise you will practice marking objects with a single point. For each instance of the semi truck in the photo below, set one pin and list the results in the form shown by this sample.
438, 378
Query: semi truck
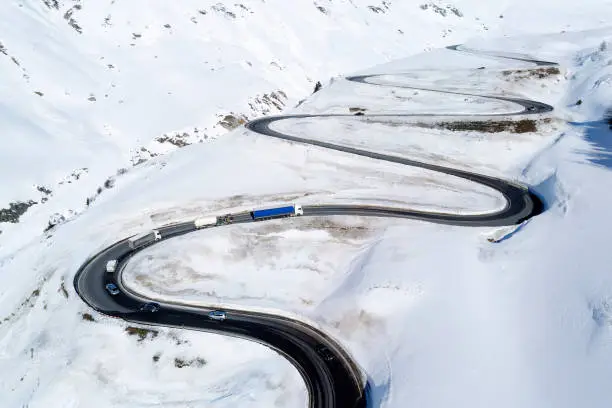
144, 239
278, 212
203, 222
225, 219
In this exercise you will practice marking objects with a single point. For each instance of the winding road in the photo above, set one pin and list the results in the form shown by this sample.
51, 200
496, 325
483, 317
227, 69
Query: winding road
331, 382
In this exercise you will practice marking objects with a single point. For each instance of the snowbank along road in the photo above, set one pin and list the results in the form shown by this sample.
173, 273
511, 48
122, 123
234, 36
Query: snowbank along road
332, 377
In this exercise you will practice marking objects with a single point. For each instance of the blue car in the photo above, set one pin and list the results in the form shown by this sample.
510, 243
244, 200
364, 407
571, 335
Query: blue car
219, 315
112, 289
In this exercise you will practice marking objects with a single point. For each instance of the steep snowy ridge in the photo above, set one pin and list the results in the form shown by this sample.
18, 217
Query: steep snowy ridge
437, 316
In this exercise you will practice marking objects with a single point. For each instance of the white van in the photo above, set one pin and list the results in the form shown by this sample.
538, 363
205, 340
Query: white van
111, 266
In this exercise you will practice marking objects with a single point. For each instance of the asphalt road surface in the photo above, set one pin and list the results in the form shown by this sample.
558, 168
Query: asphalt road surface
333, 379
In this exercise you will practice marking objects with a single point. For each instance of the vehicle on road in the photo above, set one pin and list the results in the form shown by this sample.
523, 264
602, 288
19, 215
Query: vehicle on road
219, 315
151, 307
324, 352
225, 219
111, 266
203, 222
278, 212
144, 239
112, 289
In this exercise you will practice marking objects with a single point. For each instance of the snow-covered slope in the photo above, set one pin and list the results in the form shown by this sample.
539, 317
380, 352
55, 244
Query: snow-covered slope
90, 88
436, 315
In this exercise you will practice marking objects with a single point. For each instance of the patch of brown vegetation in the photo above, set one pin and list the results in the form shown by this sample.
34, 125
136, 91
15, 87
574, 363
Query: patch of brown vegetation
513, 126
141, 332
198, 362
62, 289
178, 140
88, 317
538, 73
29, 302
268, 102
232, 121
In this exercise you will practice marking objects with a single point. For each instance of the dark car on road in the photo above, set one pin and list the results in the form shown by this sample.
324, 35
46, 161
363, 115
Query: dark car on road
151, 307
324, 352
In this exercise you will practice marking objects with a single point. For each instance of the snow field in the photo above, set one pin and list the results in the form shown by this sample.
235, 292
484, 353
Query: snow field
436, 315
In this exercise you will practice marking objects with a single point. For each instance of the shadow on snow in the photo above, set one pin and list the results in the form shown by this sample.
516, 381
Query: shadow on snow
599, 135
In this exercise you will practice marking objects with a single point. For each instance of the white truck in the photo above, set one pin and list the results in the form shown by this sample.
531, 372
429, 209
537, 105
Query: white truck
203, 222
144, 239
111, 266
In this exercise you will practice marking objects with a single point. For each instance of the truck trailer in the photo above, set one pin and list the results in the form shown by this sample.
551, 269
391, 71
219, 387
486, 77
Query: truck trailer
205, 222
278, 212
144, 239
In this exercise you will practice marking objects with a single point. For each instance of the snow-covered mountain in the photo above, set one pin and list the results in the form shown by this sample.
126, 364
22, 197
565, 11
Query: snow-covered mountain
92, 88
102, 108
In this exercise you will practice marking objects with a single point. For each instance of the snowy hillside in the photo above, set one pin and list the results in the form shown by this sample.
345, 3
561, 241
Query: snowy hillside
96, 87
94, 96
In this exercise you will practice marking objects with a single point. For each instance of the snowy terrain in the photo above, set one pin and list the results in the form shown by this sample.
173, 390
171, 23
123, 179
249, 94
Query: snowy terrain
436, 315
97, 87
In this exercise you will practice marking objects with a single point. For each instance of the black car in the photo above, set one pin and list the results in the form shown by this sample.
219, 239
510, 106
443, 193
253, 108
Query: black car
150, 307
324, 352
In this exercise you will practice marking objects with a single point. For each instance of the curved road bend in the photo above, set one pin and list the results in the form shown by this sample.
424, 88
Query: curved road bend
336, 382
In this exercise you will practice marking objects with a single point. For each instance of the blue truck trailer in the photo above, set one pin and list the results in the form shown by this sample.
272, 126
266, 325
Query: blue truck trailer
278, 212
